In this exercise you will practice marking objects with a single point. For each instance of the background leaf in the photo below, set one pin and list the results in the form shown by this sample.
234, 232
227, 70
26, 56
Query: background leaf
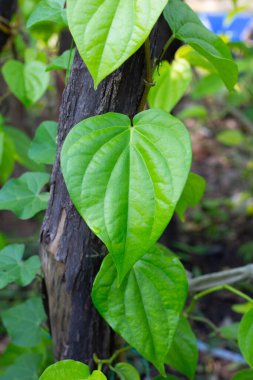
66, 369
126, 371
245, 374
22, 196
63, 62
145, 309
245, 337
43, 146
7, 156
48, 11
129, 180
24, 368
123, 28
231, 137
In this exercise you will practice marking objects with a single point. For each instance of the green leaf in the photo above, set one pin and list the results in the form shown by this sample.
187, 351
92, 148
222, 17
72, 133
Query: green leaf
194, 58
24, 368
187, 27
230, 331
168, 377
126, 371
14, 269
28, 81
210, 84
108, 33
66, 369
125, 180
245, 374
7, 156
97, 375
192, 194
231, 137
193, 112
43, 147
145, 309
245, 337
48, 11
183, 353
172, 82
22, 143
63, 62
23, 322
22, 196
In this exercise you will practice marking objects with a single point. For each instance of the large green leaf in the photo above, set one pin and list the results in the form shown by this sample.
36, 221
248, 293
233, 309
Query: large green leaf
245, 374
126, 371
187, 27
23, 322
22, 143
107, 33
245, 337
22, 196
24, 368
192, 194
125, 180
28, 81
14, 269
145, 309
183, 353
43, 146
48, 11
7, 156
171, 82
66, 370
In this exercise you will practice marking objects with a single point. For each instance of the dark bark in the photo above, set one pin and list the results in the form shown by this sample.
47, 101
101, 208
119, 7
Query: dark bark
71, 255
7, 9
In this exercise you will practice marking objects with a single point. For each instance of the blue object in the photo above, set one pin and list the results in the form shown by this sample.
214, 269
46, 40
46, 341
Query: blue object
239, 29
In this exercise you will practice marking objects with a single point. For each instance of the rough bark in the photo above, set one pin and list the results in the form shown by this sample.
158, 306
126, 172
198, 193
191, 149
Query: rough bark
71, 255
7, 9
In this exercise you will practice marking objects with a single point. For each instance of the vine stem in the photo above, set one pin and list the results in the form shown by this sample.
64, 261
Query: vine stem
101, 362
165, 48
229, 288
149, 76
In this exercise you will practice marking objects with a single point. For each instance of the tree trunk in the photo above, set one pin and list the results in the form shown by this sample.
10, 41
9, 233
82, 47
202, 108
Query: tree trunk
7, 9
71, 255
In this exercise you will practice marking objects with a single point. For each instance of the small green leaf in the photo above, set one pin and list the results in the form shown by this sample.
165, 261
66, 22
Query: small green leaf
63, 62
231, 137
7, 156
187, 27
22, 143
230, 331
125, 180
192, 194
43, 146
23, 322
66, 370
242, 308
245, 337
48, 11
245, 374
126, 371
28, 81
24, 368
207, 85
183, 353
145, 309
171, 82
22, 196
14, 269
108, 33
97, 375
193, 112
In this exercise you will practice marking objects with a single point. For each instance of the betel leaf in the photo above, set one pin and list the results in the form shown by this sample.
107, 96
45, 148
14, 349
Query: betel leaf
24, 368
245, 374
192, 194
145, 309
66, 369
187, 27
125, 180
245, 337
183, 353
48, 11
14, 269
126, 371
63, 62
97, 375
108, 33
7, 156
171, 83
22, 195
22, 143
23, 322
43, 146
194, 58
28, 81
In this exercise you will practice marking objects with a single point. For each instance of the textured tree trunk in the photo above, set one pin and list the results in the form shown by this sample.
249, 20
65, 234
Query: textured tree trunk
71, 255
7, 9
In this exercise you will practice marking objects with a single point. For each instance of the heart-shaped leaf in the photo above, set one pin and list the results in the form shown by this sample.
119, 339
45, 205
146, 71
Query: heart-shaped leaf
245, 337
187, 27
28, 81
125, 180
171, 83
66, 370
107, 33
145, 309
